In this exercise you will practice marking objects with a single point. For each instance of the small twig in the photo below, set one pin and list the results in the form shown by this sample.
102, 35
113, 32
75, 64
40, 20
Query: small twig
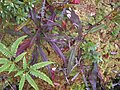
74, 66
64, 71
115, 84
84, 78
75, 76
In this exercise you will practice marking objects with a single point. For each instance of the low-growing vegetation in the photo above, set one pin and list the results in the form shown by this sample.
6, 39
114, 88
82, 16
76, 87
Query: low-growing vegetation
59, 45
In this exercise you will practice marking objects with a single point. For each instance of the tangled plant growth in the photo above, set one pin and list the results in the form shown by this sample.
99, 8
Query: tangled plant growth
81, 43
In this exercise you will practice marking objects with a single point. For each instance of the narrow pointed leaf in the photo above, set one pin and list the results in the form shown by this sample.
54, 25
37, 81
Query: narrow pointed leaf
4, 67
11, 68
58, 51
23, 46
23, 24
43, 55
34, 56
73, 17
44, 58
24, 63
41, 64
33, 16
15, 45
26, 30
41, 75
13, 32
22, 81
76, 21
71, 60
93, 77
19, 73
4, 60
5, 50
99, 27
18, 58
31, 82
51, 24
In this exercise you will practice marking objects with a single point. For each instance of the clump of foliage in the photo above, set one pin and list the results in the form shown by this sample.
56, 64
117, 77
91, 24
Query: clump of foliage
11, 64
15, 9
81, 46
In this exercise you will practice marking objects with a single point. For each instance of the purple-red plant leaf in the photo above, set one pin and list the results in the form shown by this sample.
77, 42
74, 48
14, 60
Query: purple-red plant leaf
14, 33
79, 54
34, 56
71, 60
76, 21
73, 17
32, 41
23, 46
50, 7
26, 30
52, 17
33, 16
56, 48
58, 51
50, 24
44, 58
93, 76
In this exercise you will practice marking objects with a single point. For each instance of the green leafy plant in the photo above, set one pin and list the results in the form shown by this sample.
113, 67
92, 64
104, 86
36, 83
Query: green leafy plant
10, 64
90, 53
26, 72
15, 9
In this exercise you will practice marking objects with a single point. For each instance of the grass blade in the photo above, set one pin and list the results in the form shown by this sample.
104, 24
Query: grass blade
4, 50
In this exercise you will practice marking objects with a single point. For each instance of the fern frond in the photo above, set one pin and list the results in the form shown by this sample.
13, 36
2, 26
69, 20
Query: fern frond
4, 50
4, 60
19, 73
18, 58
41, 75
24, 63
31, 82
11, 68
22, 81
41, 64
15, 45
4, 67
